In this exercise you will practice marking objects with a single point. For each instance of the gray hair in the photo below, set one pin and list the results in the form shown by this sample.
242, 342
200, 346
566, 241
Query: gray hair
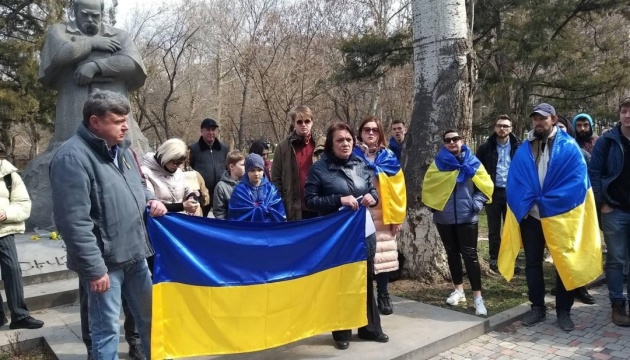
101, 102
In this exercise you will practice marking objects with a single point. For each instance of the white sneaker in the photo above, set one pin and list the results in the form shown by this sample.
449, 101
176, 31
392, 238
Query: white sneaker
480, 308
456, 297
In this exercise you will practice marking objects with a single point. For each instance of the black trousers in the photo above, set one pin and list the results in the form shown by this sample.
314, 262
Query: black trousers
131, 334
12, 277
460, 241
534, 246
373, 328
496, 212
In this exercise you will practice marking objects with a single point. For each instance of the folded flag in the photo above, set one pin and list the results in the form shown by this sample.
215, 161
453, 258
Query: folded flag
392, 191
567, 212
223, 287
446, 171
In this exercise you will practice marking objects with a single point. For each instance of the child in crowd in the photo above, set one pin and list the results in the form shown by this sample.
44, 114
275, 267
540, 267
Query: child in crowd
255, 198
235, 164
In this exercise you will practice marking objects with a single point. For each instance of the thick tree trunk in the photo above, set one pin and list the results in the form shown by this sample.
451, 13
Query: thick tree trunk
442, 100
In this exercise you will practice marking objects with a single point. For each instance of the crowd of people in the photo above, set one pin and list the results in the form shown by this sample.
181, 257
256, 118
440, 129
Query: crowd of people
101, 190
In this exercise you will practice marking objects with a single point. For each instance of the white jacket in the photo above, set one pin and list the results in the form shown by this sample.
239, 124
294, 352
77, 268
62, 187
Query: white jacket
17, 205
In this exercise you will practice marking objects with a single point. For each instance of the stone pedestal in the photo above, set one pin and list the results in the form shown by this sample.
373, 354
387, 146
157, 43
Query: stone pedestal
38, 183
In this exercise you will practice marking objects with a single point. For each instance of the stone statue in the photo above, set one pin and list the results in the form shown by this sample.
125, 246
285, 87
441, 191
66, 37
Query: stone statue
79, 57
85, 55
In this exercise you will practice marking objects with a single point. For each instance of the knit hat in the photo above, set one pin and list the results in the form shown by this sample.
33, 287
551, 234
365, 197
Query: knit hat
254, 161
567, 124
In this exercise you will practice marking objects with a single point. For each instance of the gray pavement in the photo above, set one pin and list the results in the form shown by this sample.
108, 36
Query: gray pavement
595, 337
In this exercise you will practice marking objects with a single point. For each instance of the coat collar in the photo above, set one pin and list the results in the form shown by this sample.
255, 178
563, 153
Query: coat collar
100, 145
203, 146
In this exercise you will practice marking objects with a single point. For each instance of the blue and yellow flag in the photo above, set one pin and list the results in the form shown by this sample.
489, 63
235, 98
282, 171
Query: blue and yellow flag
223, 287
392, 192
567, 212
446, 171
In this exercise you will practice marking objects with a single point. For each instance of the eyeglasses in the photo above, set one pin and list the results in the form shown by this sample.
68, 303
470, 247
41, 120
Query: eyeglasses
453, 139
368, 130
503, 126
303, 122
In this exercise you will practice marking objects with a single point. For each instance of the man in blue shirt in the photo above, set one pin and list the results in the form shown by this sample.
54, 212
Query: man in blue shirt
496, 155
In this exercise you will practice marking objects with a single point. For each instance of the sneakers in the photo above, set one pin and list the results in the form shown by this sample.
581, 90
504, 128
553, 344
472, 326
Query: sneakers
136, 352
385, 304
26, 323
619, 314
494, 266
456, 297
534, 316
480, 308
564, 321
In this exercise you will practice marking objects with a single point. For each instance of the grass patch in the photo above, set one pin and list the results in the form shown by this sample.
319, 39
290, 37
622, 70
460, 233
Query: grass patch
498, 294
483, 223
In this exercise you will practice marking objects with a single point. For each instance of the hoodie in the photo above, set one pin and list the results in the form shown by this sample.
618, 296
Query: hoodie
585, 143
222, 194
169, 188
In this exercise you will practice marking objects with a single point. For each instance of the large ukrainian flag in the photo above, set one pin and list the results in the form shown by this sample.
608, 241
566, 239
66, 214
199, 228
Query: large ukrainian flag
446, 171
224, 287
392, 191
567, 212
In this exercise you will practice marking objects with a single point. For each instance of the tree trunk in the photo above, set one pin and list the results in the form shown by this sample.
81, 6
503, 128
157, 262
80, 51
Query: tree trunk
241, 118
443, 69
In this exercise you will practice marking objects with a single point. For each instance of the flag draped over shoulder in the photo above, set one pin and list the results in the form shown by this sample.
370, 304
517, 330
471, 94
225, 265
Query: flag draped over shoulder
392, 191
446, 171
567, 212
224, 286
256, 203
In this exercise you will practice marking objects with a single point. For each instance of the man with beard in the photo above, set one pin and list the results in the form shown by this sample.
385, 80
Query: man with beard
550, 204
85, 55
583, 125
496, 155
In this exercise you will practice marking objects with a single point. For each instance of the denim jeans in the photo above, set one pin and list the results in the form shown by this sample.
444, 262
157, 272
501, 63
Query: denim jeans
616, 227
134, 283
534, 246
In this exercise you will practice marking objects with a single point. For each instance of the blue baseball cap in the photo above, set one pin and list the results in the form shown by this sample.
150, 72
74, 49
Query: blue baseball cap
543, 109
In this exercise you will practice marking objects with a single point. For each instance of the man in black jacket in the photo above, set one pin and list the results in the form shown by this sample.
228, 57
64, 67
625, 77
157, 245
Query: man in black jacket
208, 156
496, 155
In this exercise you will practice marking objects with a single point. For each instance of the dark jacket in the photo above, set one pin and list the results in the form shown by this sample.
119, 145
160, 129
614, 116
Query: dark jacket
607, 160
488, 155
222, 194
209, 162
463, 206
284, 174
98, 207
328, 181
397, 149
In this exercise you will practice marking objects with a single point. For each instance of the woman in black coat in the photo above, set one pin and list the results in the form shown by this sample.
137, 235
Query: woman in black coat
339, 179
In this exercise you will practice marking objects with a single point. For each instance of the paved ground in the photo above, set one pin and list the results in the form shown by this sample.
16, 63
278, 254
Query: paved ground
595, 337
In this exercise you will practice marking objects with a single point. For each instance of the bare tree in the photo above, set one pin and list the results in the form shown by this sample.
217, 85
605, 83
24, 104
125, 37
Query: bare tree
442, 100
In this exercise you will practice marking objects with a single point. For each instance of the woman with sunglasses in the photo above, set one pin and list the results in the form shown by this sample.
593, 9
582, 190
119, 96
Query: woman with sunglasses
390, 212
165, 179
456, 186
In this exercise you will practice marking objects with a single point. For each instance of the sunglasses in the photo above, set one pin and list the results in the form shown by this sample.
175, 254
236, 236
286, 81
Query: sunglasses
502, 126
303, 122
453, 139
179, 161
368, 130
